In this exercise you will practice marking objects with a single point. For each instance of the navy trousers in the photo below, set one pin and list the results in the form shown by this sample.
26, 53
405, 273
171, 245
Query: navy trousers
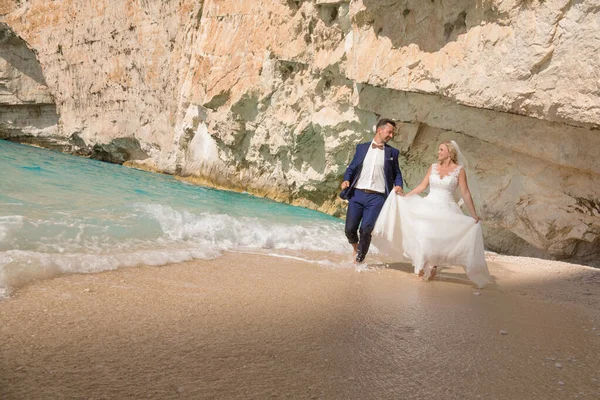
363, 210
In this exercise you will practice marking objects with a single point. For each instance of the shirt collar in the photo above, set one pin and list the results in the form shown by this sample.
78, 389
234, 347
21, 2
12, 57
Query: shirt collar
373, 141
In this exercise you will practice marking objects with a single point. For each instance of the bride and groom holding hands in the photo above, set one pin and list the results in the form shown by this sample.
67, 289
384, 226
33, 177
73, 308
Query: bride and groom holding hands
430, 232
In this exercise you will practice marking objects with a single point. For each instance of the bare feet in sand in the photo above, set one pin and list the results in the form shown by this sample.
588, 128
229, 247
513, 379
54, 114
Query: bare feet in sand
433, 273
431, 276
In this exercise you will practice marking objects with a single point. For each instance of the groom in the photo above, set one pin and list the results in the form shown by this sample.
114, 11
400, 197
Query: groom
370, 177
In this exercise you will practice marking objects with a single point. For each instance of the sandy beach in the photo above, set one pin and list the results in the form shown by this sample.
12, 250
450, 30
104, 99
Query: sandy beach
251, 326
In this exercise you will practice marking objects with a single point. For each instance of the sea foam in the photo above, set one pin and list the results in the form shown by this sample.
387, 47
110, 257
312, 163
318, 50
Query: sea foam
66, 246
61, 214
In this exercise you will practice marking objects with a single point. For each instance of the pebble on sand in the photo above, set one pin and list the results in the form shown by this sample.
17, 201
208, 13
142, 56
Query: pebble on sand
503, 332
561, 383
558, 365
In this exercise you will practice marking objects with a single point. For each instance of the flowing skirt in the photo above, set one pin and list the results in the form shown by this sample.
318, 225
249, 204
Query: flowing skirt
431, 233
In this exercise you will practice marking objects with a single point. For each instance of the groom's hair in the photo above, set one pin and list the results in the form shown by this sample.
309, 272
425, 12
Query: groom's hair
383, 122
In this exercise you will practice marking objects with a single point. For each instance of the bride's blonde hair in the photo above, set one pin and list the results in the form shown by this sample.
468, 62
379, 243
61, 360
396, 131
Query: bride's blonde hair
452, 151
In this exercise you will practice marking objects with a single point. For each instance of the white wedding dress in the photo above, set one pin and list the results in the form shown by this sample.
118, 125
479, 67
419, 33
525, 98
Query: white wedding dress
432, 231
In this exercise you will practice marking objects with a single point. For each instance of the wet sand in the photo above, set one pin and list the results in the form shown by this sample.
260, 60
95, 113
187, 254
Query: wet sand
249, 326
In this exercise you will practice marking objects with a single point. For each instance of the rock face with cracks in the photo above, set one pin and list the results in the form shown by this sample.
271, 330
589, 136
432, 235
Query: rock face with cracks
271, 97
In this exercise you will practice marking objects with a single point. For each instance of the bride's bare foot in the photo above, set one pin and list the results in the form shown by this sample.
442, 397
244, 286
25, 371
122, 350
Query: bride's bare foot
433, 273
421, 274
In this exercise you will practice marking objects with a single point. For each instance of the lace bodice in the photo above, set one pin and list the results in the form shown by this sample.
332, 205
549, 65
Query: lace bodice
441, 189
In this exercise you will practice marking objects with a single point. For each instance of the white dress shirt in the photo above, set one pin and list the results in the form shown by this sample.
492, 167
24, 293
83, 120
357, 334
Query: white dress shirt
372, 176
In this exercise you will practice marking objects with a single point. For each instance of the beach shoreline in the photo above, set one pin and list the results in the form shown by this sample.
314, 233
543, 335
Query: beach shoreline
248, 325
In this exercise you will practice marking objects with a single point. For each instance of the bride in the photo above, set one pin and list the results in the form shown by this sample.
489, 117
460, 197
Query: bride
432, 232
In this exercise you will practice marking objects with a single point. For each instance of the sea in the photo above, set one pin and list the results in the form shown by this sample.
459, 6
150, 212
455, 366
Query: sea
63, 214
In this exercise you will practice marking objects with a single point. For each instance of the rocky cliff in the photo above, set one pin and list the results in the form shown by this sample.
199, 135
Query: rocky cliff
271, 96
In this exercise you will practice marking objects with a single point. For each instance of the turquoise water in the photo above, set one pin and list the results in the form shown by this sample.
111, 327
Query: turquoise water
66, 214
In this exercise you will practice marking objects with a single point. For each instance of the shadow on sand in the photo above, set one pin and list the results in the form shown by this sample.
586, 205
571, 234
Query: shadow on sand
450, 274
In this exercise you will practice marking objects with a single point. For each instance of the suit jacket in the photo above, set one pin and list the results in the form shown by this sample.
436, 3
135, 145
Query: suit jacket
391, 169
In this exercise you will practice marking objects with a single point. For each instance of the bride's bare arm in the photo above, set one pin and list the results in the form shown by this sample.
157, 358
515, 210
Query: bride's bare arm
466, 194
422, 186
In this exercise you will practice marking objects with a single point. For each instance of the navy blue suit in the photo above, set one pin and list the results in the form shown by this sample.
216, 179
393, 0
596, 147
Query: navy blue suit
364, 208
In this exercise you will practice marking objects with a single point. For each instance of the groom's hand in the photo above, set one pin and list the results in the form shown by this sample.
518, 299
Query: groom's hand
345, 184
398, 190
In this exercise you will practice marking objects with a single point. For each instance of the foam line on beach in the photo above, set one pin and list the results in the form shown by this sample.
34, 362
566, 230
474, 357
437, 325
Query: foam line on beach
289, 257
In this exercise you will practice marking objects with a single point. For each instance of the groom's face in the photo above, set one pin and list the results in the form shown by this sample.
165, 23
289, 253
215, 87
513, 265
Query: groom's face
385, 133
